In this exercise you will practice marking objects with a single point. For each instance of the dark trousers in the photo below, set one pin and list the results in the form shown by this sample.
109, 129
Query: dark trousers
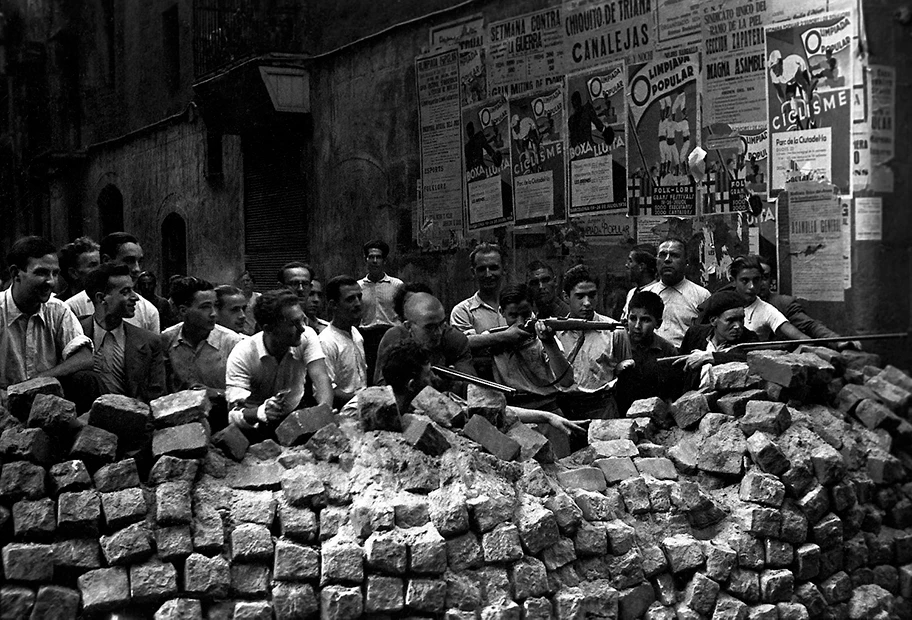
372, 337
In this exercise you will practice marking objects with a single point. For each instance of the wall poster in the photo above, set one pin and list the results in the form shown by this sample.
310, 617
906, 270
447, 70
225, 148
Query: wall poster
815, 239
663, 119
537, 142
488, 174
809, 91
441, 215
468, 34
597, 138
597, 32
525, 52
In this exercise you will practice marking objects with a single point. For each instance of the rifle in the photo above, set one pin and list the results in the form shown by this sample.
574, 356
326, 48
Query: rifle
562, 325
461, 376
780, 344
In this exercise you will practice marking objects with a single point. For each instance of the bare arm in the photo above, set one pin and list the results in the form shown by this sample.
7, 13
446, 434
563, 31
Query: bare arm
508, 337
561, 368
80, 360
322, 386
787, 331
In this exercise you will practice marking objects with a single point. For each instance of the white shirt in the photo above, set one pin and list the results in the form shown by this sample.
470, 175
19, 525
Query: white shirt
681, 303
473, 316
377, 306
146, 316
345, 359
253, 375
763, 319
630, 295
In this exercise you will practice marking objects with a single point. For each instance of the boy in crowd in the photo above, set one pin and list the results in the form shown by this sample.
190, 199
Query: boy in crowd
536, 367
594, 354
231, 308
645, 377
760, 317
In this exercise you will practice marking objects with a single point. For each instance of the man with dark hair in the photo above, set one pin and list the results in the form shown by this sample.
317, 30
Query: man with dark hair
230, 308
645, 377
681, 297
543, 286
641, 269
478, 315
342, 343
379, 289
124, 249
711, 343
197, 348
266, 373
39, 336
594, 354
426, 324
316, 305
146, 285
760, 317
77, 259
128, 359
297, 277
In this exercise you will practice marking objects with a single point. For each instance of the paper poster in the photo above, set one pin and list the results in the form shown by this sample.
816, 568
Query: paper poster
868, 219
736, 163
468, 35
441, 219
809, 90
734, 63
488, 174
861, 156
526, 52
652, 229
677, 19
605, 229
596, 32
663, 118
597, 139
845, 203
882, 117
815, 239
723, 238
539, 162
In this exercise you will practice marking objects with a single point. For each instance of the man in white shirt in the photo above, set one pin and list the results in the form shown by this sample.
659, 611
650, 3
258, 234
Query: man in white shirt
122, 248
760, 317
342, 343
681, 297
379, 290
266, 373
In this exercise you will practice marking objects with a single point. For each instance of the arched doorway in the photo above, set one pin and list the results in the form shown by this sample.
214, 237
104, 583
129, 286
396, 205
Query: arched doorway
110, 210
174, 246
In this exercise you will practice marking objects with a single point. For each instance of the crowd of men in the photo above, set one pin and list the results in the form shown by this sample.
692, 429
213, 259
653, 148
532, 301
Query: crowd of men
89, 315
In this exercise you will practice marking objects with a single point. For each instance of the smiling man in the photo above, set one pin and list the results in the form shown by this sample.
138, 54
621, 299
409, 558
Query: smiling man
342, 343
197, 348
39, 336
128, 359
681, 297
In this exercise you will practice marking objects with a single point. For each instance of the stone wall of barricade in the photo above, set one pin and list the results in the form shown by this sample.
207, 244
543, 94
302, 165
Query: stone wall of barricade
783, 492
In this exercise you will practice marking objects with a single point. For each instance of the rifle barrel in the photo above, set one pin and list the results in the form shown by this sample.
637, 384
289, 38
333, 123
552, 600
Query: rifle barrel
461, 376
581, 325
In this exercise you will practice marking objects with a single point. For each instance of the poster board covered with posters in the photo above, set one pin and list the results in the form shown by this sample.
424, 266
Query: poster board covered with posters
663, 111
598, 32
525, 52
537, 144
596, 133
486, 155
809, 90
468, 35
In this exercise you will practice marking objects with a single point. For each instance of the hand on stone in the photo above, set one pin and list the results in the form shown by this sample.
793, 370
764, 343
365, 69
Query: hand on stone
563, 424
695, 360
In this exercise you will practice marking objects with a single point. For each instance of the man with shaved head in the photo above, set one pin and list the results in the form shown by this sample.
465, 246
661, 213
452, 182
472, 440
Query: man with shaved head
426, 324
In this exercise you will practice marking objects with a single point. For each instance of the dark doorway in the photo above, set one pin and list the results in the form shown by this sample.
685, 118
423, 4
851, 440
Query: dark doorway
110, 210
174, 247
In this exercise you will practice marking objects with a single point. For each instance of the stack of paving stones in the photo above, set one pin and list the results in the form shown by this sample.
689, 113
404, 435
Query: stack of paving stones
784, 491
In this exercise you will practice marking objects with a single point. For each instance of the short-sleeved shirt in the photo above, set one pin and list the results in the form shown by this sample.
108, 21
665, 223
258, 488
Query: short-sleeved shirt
345, 361
527, 369
377, 306
202, 365
763, 319
146, 316
254, 376
30, 345
594, 355
473, 316
681, 307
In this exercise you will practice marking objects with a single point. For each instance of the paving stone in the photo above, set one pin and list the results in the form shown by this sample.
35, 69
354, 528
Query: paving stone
767, 417
124, 416
616, 469
828, 464
420, 432
253, 507
341, 560
567, 513
172, 503
683, 551
893, 396
633, 602
251, 542
232, 442
69, 476
250, 580
588, 478
252, 610
448, 511
700, 507
700, 594
117, 476
180, 408
208, 532
745, 584
171, 469
25, 444
341, 603
34, 519
621, 537
561, 553
735, 404
873, 414
21, 396
384, 594
750, 551
301, 489
152, 581
480, 430
104, 589
537, 525
173, 543
779, 554
328, 443
78, 512
851, 395
870, 601
720, 560
439, 408
778, 367
123, 507
689, 409
387, 552
206, 577
55, 602
95, 446
635, 493
28, 562
180, 609
808, 595
828, 532
815, 503
837, 588
127, 546
464, 552
293, 600
377, 409
294, 562
653, 408
762, 488
184, 441
78, 553
729, 608
591, 539
660, 468
300, 425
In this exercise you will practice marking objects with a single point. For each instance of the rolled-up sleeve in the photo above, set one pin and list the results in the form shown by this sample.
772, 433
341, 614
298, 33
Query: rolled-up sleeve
70, 333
